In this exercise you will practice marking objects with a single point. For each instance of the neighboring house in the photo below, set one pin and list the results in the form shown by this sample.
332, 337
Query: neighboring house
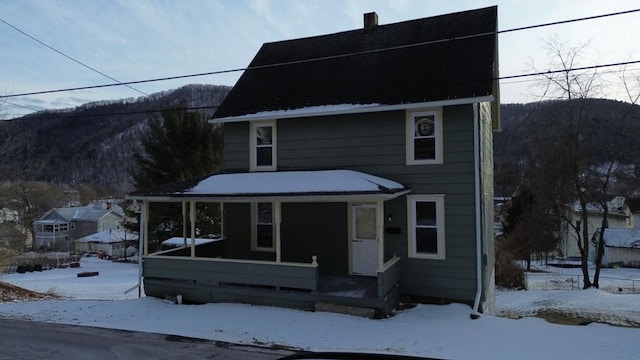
112, 243
634, 206
58, 228
619, 216
358, 170
622, 247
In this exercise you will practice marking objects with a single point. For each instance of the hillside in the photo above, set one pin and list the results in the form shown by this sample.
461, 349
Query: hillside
523, 125
93, 143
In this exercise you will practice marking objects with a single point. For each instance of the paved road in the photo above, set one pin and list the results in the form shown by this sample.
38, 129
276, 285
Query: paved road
36, 340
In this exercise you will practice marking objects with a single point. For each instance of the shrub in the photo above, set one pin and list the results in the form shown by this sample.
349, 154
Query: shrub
508, 274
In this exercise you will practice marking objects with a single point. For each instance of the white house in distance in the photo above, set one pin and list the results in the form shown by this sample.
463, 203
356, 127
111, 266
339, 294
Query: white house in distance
619, 217
110, 242
622, 247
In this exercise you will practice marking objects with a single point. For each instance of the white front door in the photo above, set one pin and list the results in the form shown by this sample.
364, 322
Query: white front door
364, 240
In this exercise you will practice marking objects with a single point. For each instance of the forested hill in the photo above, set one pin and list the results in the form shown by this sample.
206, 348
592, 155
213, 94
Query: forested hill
599, 122
93, 143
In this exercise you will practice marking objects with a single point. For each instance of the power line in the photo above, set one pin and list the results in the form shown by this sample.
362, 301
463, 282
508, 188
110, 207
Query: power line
569, 21
18, 105
70, 58
346, 55
592, 67
540, 73
216, 106
51, 114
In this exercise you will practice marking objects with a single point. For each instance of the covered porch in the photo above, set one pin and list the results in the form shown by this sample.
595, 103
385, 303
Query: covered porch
280, 259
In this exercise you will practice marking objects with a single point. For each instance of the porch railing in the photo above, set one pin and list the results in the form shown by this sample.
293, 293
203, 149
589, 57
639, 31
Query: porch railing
223, 271
389, 278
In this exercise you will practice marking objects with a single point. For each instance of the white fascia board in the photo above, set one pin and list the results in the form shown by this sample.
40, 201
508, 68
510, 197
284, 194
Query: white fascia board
280, 198
341, 110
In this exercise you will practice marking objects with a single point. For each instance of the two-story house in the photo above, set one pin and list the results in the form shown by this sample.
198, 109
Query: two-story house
358, 170
58, 228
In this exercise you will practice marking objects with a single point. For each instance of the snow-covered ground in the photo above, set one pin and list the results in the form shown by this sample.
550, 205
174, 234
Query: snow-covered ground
444, 331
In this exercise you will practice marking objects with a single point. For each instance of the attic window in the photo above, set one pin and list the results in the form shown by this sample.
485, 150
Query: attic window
424, 137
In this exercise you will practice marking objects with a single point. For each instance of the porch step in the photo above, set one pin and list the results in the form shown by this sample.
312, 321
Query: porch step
346, 309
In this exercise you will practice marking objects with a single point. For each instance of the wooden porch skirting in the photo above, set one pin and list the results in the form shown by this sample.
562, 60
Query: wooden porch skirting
269, 296
266, 283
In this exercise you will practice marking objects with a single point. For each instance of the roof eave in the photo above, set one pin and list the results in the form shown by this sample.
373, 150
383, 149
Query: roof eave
332, 197
365, 108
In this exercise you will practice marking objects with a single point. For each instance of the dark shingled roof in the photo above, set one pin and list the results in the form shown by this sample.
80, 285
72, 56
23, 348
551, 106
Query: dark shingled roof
437, 58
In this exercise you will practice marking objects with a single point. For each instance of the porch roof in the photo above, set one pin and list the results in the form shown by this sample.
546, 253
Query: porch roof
318, 185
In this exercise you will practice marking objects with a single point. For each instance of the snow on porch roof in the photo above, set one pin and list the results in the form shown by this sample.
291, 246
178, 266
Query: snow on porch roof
326, 185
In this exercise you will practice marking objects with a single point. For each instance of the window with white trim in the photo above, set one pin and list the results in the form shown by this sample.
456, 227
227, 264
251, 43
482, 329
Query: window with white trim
424, 137
426, 226
263, 231
263, 145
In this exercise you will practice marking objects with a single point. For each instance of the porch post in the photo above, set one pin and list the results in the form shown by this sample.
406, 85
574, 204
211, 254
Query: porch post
144, 219
192, 216
380, 232
184, 224
277, 217
222, 220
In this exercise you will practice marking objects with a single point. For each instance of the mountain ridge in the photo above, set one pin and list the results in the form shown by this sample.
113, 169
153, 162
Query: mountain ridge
93, 143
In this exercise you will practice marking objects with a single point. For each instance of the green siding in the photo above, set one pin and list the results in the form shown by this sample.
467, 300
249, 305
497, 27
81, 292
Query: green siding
318, 229
237, 233
236, 146
374, 143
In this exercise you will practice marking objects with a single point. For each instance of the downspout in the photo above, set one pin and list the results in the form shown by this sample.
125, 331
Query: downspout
476, 150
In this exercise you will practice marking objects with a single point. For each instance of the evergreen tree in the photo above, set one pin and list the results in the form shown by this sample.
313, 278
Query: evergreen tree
180, 146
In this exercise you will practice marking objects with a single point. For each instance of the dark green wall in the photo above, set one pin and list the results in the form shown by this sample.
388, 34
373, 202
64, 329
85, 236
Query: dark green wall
237, 233
307, 229
319, 229
375, 143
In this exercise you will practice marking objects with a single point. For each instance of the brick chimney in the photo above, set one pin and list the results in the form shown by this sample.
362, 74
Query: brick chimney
370, 21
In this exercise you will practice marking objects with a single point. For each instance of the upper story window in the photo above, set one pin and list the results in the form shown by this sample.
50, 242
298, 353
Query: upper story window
263, 145
426, 226
424, 137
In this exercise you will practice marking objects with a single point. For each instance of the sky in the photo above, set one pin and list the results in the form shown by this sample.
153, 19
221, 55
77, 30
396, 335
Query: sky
150, 39
439, 331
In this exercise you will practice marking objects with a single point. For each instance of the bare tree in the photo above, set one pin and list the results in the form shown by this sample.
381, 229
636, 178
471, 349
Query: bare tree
584, 160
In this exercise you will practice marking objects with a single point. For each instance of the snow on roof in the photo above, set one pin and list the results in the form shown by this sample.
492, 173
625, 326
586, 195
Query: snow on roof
289, 182
301, 112
108, 236
74, 213
622, 238
320, 183
615, 207
178, 241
